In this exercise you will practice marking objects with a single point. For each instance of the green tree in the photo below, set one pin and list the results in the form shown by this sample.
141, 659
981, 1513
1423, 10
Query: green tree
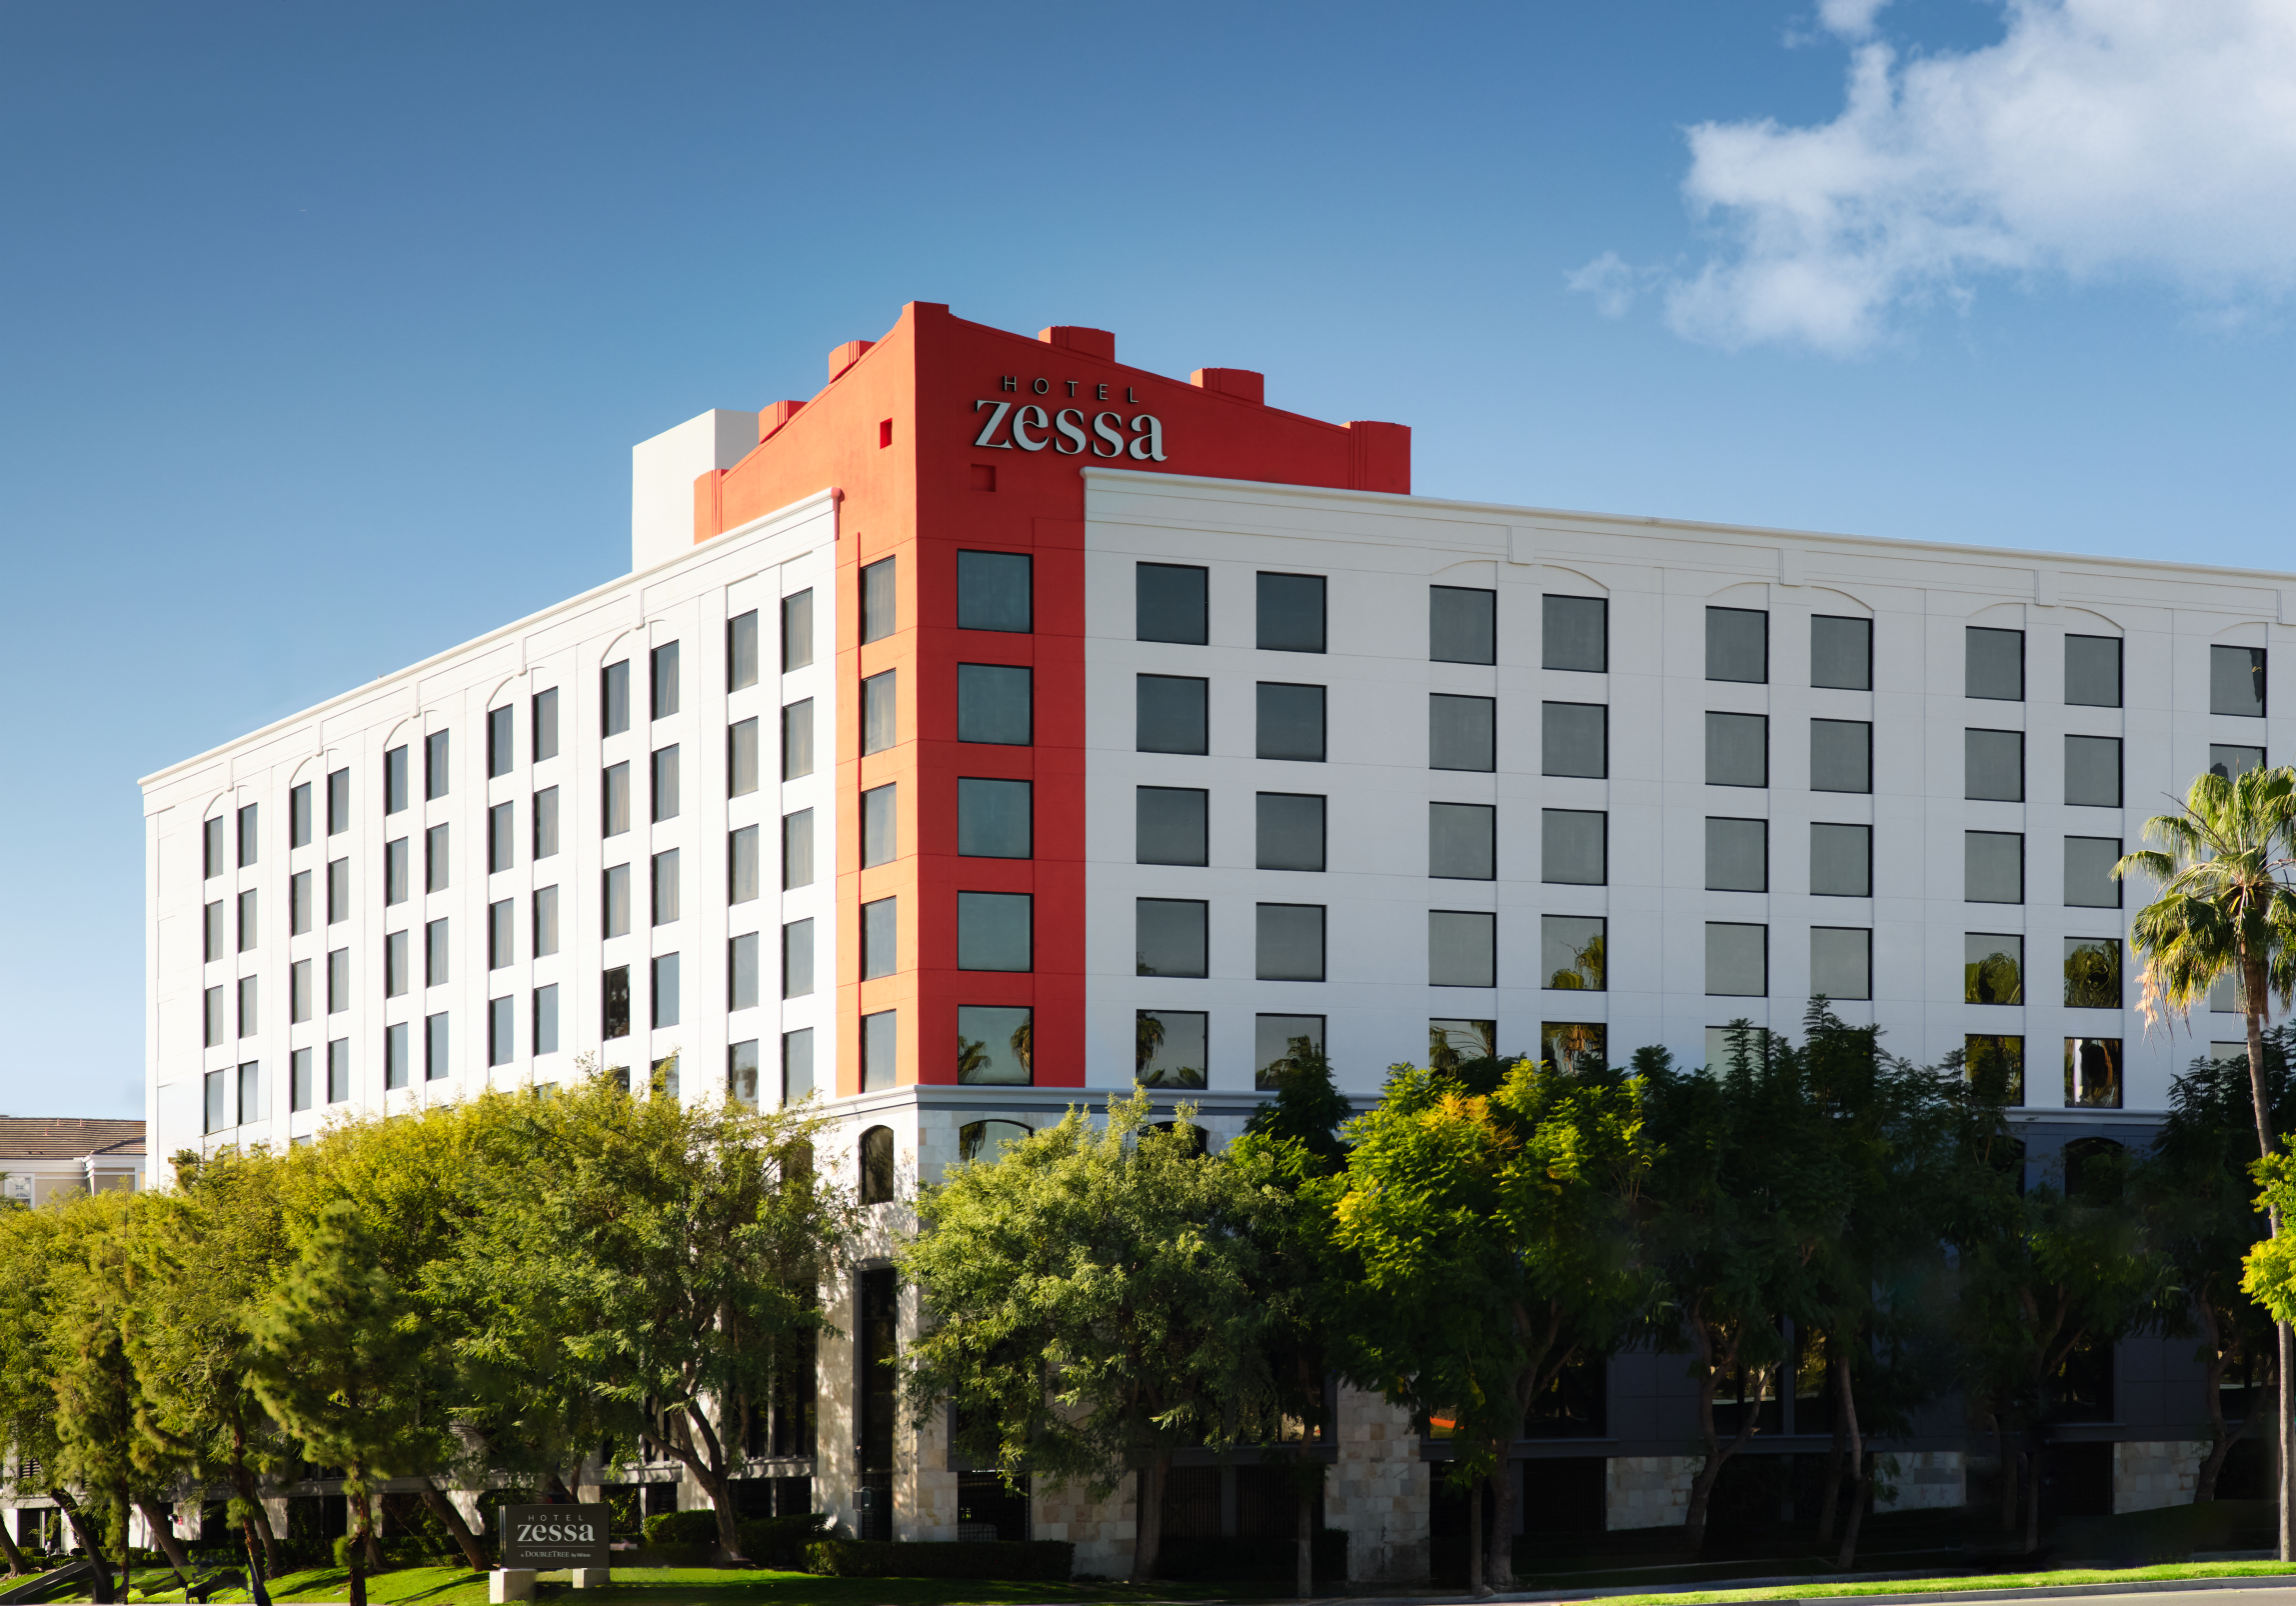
1091, 1305
1492, 1234
2223, 907
33, 1245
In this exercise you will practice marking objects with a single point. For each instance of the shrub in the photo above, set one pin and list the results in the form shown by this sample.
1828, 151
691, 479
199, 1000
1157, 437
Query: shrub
682, 1528
1238, 1559
901, 1558
781, 1541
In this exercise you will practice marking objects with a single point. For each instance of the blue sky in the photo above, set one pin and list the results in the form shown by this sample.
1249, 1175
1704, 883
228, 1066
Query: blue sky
329, 328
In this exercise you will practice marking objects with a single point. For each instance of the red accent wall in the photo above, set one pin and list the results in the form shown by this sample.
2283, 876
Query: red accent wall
895, 430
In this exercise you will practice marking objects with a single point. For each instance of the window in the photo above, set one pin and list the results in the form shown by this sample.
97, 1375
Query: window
501, 933
2092, 973
219, 1117
614, 1000
1737, 960
338, 1070
501, 837
437, 861
797, 740
1737, 749
1841, 862
741, 654
1841, 755
877, 600
1170, 713
1574, 740
248, 934
338, 802
1462, 948
2093, 671
546, 822
1276, 1039
1462, 733
741, 971
211, 848
2089, 862
1169, 936
2093, 771
796, 1064
395, 855
545, 716
299, 992
797, 850
617, 901
436, 774
299, 1080
397, 975
545, 921
1737, 855
398, 1062
662, 680
995, 931
1575, 634
1573, 847
1576, 1046
1289, 944
880, 1068
435, 1060
250, 836
498, 742
299, 903
247, 1010
665, 990
741, 865
1738, 644
995, 704
994, 1045
615, 805
877, 1160
1462, 841
2235, 683
1994, 665
1170, 603
1841, 961
1994, 765
212, 1024
1572, 953
213, 942
1993, 867
993, 591
338, 891
797, 630
1291, 613
2093, 1073
880, 727
1169, 825
1168, 1047
435, 972
338, 980
797, 959
501, 1030
1462, 625
879, 827
614, 698
2232, 762
1290, 831
995, 819
880, 938
741, 757
299, 816
741, 1073
665, 788
1841, 655
394, 780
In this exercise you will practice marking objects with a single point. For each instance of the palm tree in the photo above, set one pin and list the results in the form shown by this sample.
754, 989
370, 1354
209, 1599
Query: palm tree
2225, 908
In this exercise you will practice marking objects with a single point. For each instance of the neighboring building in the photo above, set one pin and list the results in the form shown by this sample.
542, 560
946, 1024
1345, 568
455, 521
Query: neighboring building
44, 1156
1005, 723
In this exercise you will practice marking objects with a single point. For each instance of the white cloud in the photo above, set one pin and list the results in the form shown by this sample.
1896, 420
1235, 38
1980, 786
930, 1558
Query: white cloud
1610, 281
2099, 138
1852, 19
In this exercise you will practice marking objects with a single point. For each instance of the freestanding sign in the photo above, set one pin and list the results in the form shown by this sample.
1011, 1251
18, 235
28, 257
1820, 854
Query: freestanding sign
546, 1538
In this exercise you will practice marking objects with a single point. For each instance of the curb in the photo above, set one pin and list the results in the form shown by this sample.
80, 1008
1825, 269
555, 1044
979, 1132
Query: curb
1937, 1597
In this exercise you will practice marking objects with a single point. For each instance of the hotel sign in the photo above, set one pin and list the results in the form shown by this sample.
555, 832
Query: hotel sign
549, 1537
1032, 427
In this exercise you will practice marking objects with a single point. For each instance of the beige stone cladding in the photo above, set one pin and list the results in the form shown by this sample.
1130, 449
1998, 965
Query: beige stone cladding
1378, 1491
1924, 1480
2151, 1474
1647, 1491
1101, 1530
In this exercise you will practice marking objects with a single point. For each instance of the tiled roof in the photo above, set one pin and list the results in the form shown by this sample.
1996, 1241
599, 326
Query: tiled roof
43, 1137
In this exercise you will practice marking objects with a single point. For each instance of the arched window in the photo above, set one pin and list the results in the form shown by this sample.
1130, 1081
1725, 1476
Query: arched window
877, 1165
976, 1139
2093, 1169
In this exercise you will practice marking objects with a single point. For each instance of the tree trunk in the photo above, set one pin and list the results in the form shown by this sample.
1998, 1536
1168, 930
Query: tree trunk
366, 1544
2221, 1439
1717, 1455
127, 1550
16, 1567
2008, 1503
1846, 1413
450, 1518
256, 1590
163, 1535
1475, 1584
1148, 1520
1829, 1503
91, 1545
555, 1492
1499, 1567
2286, 1411
2253, 1002
1306, 1579
2032, 1499
243, 1484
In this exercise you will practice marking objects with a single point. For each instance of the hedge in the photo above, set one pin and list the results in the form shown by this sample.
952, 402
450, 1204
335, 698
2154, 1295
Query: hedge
902, 1558
1236, 1559
682, 1527
781, 1541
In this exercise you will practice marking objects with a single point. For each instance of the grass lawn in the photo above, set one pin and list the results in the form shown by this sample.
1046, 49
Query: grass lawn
1926, 1586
